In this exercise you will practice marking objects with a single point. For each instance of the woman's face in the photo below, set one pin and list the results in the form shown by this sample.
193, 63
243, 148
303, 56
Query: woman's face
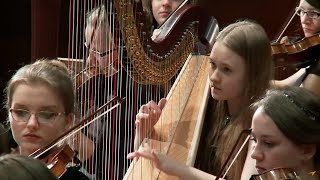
227, 73
271, 148
310, 26
31, 135
161, 9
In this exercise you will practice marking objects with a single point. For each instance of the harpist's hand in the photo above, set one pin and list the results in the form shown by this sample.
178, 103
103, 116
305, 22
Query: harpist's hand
161, 161
147, 117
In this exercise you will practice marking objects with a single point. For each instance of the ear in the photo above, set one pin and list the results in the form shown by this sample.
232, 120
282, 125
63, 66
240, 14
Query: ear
69, 121
309, 151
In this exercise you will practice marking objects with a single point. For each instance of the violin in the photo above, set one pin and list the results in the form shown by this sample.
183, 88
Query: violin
273, 174
277, 174
295, 47
57, 158
291, 57
91, 73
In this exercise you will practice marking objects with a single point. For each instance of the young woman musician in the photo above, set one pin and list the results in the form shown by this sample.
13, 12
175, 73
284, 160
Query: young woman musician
286, 132
40, 103
239, 74
157, 11
309, 12
16, 167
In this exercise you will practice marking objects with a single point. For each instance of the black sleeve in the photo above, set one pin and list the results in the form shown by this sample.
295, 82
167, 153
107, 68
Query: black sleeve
73, 173
315, 68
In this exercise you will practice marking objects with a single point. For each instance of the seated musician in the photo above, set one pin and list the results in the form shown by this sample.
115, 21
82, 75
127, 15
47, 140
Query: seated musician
285, 132
112, 143
18, 167
99, 41
236, 81
309, 12
159, 11
40, 102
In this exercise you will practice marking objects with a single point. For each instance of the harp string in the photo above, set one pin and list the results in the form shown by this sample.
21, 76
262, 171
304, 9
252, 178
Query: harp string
113, 134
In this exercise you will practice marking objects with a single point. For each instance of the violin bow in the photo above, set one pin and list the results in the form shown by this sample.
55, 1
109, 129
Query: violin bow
245, 131
286, 26
84, 123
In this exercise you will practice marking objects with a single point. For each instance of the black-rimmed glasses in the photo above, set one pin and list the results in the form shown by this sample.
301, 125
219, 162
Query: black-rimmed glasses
310, 13
98, 55
41, 116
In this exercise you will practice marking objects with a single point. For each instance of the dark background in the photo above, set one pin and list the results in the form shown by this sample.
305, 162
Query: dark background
39, 28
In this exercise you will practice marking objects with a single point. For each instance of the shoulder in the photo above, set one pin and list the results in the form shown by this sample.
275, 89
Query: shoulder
73, 173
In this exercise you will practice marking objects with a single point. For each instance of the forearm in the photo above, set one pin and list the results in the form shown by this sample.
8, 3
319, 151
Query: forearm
312, 83
290, 81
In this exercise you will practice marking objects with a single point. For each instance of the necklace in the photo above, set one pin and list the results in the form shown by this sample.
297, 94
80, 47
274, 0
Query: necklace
227, 119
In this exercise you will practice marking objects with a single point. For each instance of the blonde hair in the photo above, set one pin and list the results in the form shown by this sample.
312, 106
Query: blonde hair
52, 73
250, 41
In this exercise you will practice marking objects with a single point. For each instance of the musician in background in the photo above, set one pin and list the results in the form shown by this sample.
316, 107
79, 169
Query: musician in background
158, 11
109, 159
286, 132
99, 41
240, 69
40, 103
19, 167
309, 12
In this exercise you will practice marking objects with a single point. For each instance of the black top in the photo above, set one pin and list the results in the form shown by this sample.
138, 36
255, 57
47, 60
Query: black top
73, 173
315, 68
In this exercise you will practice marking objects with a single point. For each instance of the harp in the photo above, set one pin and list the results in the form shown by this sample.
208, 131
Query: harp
154, 64
132, 66
45, 20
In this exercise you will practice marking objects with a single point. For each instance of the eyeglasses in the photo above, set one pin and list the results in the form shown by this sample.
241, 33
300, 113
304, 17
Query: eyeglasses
310, 13
41, 116
98, 55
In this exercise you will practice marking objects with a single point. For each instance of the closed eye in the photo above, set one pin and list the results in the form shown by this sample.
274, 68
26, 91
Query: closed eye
47, 115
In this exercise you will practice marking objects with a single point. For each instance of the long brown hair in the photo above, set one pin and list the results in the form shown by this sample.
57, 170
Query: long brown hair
250, 41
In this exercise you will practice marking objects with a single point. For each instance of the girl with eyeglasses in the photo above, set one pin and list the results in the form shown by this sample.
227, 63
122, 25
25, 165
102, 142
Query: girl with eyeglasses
40, 102
309, 13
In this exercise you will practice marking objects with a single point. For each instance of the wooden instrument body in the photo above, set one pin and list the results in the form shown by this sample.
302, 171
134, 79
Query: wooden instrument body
277, 174
178, 130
